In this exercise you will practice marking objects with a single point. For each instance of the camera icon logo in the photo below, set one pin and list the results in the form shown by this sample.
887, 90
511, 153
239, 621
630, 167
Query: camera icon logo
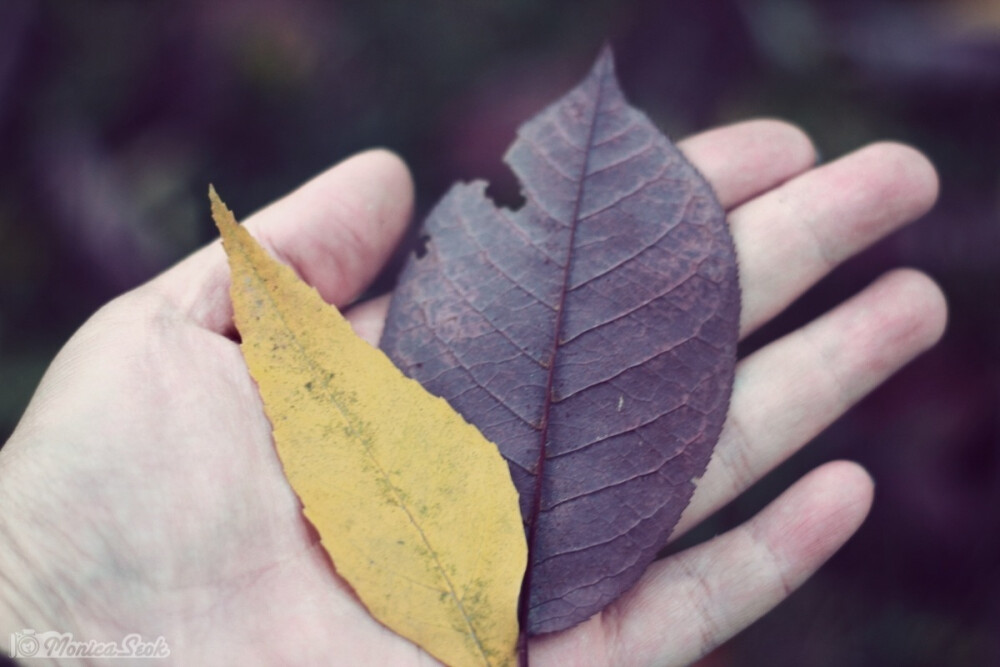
23, 644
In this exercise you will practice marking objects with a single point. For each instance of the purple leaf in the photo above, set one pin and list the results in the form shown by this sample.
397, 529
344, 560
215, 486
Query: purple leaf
591, 335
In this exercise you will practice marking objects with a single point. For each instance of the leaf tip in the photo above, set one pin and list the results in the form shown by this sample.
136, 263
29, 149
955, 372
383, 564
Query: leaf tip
223, 217
605, 63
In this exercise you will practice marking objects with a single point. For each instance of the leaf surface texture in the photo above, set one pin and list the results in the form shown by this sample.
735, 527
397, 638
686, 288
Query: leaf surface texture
590, 334
415, 507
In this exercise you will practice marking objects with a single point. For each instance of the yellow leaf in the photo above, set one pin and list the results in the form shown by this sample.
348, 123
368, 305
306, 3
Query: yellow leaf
415, 507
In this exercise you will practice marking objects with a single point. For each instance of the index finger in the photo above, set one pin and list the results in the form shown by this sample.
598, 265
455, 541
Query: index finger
336, 232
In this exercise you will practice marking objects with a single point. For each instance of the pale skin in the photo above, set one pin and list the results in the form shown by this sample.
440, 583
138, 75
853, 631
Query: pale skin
141, 491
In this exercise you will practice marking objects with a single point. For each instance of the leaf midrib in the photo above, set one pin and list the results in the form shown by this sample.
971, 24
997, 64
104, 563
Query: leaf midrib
554, 350
351, 420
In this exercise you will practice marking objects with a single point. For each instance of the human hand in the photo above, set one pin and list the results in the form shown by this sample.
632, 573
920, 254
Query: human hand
141, 491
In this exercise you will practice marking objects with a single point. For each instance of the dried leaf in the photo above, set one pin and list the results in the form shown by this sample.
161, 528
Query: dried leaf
415, 507
591, 335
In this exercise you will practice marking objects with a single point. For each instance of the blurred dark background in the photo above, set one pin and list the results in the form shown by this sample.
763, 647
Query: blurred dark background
114, 116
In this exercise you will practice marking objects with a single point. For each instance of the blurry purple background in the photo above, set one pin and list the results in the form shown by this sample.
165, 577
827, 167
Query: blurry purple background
115, 115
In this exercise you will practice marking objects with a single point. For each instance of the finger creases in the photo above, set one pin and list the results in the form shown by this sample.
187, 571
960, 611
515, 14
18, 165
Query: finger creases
688, 604
790, 237
746, 159
336, 231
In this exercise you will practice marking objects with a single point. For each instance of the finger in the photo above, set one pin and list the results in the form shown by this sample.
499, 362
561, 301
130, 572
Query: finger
368, 318
792, 236
745, 159
336, 231
789, 391
686, 605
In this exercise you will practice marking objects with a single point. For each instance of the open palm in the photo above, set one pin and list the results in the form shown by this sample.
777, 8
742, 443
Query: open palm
141, 491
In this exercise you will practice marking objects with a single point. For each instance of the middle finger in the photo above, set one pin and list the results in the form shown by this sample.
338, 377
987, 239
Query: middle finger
790, 237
